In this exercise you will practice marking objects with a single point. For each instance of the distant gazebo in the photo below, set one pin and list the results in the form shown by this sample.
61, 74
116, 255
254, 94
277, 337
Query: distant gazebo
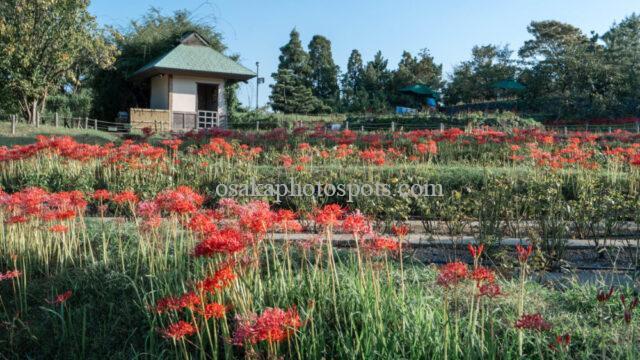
187, 87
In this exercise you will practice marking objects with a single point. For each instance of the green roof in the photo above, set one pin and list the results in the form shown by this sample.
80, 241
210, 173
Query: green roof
196, 59
508, 85
419, 89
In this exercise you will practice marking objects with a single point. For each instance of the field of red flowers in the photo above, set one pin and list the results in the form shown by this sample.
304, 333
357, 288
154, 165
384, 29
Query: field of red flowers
125, 250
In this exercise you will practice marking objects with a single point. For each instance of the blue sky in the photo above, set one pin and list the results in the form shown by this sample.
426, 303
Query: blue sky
256, 29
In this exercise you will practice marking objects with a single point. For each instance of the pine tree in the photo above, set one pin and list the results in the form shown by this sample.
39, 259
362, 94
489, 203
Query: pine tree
353, 93
377, 80
291, 92
324, 73
414, 70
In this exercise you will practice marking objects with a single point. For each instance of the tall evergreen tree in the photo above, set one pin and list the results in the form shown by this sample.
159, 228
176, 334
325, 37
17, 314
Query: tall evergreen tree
353, 93
376, 82
291, 92
324, 73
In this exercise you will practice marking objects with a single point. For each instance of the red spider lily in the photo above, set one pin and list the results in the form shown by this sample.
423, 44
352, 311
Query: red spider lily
628, 310
125, 197
226, 241
605, 296
400, 230
201, 223
273, 326
381, 243
101, 195
285, 220
148, 209
329, 215
178, 330
373, 156
188, 300
222, 278
218, 146
482, 274
257, 217
451, 274
61, 298
212, 310
523, 253
172, 144
490, 290
287, 161
475, 252
180, 200
431, 147
562, 342
533, 322
356, 224
59, 229
12, 274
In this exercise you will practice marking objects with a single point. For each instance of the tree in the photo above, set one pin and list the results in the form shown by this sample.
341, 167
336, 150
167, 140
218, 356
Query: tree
472, 80
414, 70
376, 82
290, 95
324, 73
564, 70
292, 92
354, 96
622, 54
42, 44
145, 39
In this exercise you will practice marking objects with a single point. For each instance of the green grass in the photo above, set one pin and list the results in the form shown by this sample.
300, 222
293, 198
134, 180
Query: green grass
26, 134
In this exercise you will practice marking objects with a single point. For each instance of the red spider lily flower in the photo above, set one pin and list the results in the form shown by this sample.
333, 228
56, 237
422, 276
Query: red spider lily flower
451, 274
382, 243
523, 253
285, 220
172, 144
356, 224
431, 147
169, 303
628, 310
61, 298
58, 229
482, 274
12, 274
475, 252
562, 342
181, 200
287, 161
605, 296
304, 146
125, 197
178, 330
101, 195
329, 215
273, 326
148, 209
490, 290
212, 310
226, 241
222, 278
400, 230
201, 223
533, 322
257, 217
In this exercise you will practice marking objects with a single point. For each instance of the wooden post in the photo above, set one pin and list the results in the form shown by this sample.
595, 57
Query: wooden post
637, 126
346, 125
362, 128
14, 120
441, 127
86, 122
56, 120
609, 129
257, 125
393, 126
95, 124
587, 127
565, 130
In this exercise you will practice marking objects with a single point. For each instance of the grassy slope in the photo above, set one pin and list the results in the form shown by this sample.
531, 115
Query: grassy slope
26, 134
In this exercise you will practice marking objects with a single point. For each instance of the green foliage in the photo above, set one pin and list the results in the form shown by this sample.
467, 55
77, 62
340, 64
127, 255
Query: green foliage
354, 96
472, 80
324, 73
414, 70
44, 43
